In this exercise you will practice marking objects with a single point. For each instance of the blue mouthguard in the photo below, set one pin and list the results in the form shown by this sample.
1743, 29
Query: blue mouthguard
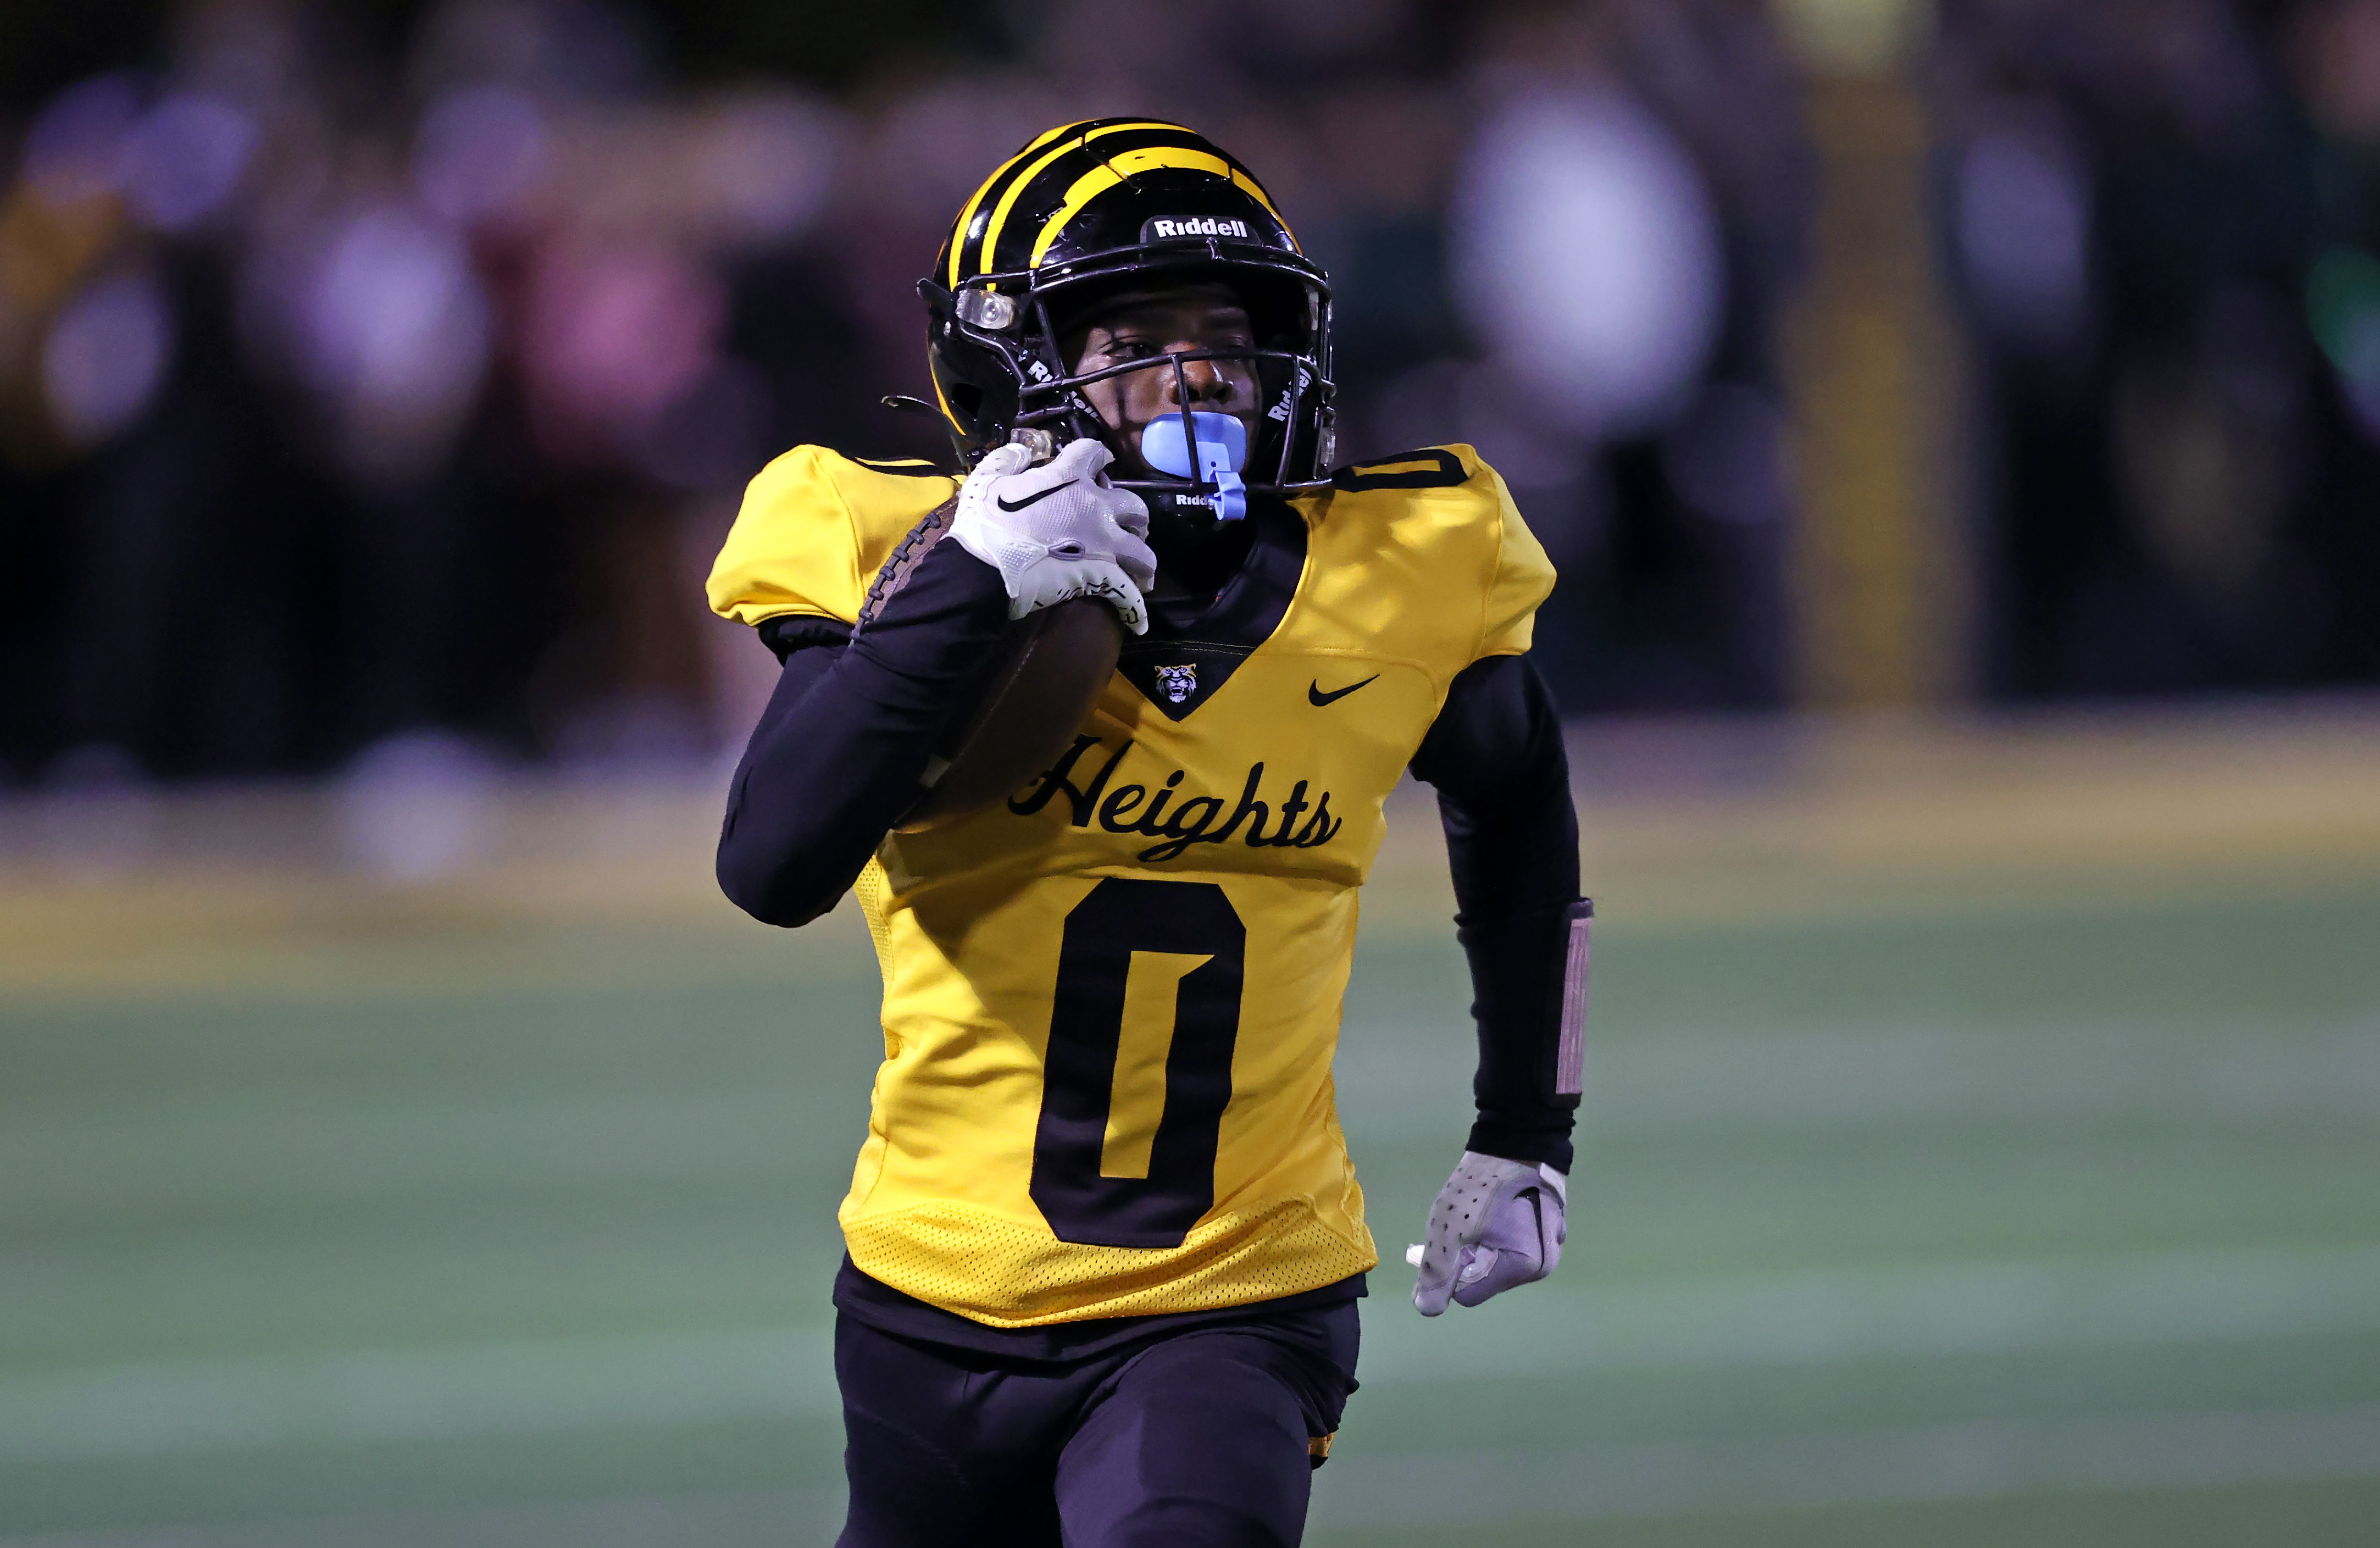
1221, 449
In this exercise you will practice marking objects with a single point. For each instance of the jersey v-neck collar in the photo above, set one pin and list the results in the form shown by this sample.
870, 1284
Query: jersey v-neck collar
1192, 650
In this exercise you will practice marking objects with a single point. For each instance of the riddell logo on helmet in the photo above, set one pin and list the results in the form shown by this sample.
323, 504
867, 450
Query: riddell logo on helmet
1170, 228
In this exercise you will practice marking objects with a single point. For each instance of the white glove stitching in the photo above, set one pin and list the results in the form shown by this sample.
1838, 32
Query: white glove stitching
1059, 531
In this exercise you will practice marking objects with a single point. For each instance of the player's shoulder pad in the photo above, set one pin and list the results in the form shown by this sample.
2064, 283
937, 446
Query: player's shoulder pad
815, 528
1447, 515
1452, 466
1437, 487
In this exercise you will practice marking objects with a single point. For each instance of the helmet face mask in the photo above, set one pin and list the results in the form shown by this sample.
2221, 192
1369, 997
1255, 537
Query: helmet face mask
1079, 219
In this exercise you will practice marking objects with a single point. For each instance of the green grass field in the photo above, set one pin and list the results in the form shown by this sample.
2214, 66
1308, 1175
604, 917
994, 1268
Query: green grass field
2048, 1213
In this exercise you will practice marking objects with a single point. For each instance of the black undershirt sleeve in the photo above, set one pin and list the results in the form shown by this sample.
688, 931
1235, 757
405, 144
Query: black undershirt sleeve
1495, 756
836, 757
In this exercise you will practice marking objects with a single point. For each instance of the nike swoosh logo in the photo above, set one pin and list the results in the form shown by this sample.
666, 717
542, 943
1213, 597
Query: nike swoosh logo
1316, 697
1031, 498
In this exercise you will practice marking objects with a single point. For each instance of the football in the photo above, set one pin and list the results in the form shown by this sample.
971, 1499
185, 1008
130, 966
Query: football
1052, 666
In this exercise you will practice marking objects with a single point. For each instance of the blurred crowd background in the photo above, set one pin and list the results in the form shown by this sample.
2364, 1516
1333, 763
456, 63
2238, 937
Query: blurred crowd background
376, 378
402, 1142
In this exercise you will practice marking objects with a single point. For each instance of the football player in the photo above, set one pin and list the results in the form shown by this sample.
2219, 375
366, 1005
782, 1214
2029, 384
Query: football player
1104, 1238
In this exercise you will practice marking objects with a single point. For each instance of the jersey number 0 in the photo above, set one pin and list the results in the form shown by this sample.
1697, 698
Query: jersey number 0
1122, 915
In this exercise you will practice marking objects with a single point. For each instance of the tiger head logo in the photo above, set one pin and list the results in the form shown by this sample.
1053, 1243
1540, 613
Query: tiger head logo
1179, 682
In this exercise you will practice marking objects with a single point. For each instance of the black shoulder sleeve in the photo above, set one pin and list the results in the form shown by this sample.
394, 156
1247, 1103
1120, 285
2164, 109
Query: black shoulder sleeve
1495, 756
836, 760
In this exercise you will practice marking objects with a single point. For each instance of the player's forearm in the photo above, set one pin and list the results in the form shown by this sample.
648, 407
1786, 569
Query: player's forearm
1519, 880
836, 757
1526, 1090
1511, 836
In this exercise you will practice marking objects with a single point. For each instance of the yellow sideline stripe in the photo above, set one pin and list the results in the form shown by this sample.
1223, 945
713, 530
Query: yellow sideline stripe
212, 1405
1015, 190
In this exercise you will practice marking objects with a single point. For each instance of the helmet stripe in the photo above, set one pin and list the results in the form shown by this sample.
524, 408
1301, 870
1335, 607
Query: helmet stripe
1041, 194
987, 250
1113, 171
958, 233
1256, 191
1013, 174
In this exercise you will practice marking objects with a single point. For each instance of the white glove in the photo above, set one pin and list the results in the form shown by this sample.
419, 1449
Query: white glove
1058, 531
1496, 1224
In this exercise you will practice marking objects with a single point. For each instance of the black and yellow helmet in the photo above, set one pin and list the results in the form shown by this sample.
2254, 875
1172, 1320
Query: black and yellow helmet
1092, 207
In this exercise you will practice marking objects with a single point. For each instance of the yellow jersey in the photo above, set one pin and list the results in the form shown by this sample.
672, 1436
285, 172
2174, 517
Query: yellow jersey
1112, 1001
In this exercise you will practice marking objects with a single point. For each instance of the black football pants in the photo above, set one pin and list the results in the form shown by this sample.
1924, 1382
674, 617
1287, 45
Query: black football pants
1195, 1439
